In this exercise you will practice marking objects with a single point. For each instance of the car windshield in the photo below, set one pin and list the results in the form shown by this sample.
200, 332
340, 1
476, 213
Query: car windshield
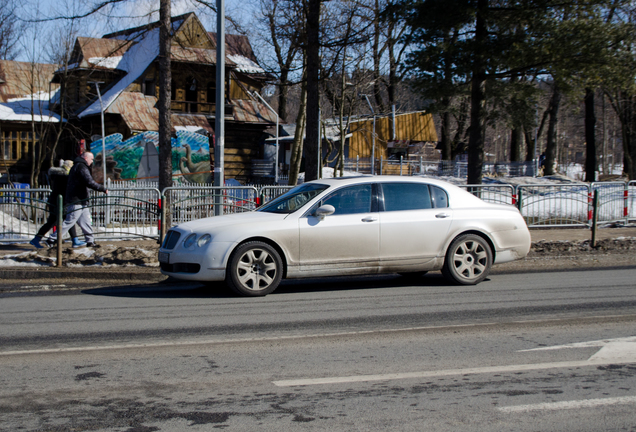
294, 199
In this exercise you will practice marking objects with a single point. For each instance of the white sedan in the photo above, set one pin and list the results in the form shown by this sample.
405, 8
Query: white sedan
349, 226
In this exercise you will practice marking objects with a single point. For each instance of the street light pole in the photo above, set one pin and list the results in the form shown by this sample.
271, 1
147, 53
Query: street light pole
373, 136
219, 115
101, 109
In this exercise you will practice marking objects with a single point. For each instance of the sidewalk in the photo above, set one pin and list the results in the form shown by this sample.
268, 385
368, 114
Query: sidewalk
137, 260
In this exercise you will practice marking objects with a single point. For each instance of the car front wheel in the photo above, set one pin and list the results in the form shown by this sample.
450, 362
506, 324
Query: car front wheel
254, 269
468, 260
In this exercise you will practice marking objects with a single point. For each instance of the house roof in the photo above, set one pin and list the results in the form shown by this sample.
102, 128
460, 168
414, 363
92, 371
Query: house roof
23, 85
239, 51
92, 53
18, 79
142, 48
140, 114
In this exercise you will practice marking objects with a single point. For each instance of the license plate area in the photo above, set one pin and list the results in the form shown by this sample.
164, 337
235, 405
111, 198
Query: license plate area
164, 257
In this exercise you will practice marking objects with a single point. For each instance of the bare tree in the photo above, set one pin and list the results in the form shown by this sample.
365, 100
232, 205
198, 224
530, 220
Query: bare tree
10, 31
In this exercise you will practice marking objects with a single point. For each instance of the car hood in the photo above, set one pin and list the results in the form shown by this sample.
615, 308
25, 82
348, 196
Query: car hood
215, 223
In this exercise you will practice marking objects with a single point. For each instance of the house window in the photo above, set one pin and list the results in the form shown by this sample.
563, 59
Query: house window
17, 145
191, 94
211, 92
149, 88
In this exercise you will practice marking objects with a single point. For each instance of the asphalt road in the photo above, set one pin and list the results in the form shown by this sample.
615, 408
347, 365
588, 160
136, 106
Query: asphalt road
523, 352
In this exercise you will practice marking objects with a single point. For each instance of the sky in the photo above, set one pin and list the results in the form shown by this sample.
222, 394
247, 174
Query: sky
129, 13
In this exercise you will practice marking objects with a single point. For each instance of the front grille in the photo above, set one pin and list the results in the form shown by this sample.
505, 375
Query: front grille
171, 239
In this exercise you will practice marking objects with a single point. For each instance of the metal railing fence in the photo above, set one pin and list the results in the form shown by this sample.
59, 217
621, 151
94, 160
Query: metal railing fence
499, 194
126, 212
630, 194
195, 202
417, 165
133, 212
554, 205
22, 212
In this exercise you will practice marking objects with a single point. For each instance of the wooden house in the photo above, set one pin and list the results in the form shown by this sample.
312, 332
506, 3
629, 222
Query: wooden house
125, 67
25, 116
413, 131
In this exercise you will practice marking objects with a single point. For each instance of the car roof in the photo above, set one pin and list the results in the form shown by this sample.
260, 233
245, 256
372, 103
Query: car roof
458, 197
341, 181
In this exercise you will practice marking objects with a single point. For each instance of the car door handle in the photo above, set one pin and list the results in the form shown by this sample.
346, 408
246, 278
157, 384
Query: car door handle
369, 219
442, 215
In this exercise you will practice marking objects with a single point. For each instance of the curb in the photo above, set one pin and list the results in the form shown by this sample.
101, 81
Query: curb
26, 273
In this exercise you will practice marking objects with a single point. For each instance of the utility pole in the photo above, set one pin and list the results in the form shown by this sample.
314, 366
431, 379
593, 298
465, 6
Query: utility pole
219, 116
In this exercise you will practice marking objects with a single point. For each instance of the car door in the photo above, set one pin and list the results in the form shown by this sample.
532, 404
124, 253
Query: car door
345, 242
414, 224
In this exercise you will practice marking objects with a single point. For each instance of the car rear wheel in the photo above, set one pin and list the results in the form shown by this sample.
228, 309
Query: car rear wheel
255, 269
468, 260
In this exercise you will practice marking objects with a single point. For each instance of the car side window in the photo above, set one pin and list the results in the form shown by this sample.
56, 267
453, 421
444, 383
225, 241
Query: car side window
439, 197
406, 196
351, 200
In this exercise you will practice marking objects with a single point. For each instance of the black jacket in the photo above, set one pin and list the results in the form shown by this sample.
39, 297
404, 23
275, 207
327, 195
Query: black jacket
79, 181
58, 177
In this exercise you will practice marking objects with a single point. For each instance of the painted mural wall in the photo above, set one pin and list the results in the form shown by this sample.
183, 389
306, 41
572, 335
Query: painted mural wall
137, 158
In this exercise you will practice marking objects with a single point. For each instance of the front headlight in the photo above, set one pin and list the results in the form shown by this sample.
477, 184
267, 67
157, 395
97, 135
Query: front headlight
204, 239
189, 241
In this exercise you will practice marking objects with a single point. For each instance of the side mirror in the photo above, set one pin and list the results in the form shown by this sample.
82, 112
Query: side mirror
324, 210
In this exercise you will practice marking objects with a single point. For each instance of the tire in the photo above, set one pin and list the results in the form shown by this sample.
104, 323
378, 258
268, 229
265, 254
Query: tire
468, 260
254, 269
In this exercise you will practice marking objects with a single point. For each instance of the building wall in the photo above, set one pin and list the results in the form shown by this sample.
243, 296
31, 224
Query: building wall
416, 126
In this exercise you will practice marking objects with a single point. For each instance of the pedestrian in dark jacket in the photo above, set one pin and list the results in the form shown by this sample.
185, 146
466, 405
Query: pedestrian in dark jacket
58, 176
77, 210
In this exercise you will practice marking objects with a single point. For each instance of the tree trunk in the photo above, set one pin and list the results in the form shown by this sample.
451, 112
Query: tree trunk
531, 145
551, 143
627, 114
516, 138
165, 122
297, 144
477, 95
313, 92
445, 138
590, 136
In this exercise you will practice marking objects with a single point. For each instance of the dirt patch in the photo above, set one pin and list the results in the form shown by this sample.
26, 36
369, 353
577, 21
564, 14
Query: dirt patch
120, 253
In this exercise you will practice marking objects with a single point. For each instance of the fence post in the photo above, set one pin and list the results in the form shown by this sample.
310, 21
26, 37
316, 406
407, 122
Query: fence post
357, 162
60, 213
519, 199
594, 217
401, 157
626, 203
421, 165
590, 204
381, 164
162, 221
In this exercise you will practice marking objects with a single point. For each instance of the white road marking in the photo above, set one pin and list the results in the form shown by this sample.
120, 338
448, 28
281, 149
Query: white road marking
589, 344
612, 353
554, 406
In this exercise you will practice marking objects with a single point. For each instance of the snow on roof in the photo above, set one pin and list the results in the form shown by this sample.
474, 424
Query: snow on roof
106, 62
135, 61
245, 65
19, 109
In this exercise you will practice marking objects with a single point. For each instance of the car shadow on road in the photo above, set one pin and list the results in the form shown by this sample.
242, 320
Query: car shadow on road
172, 288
